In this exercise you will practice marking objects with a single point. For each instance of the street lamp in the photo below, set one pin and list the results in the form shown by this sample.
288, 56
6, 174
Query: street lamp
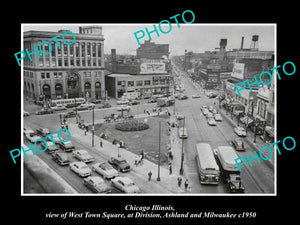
182, 154
158, 169
93, 127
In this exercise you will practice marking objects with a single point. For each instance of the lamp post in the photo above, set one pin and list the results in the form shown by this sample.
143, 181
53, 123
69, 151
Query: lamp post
158, 169
93, 127
182, 154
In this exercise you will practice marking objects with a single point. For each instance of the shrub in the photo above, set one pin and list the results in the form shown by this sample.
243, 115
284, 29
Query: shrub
131, 125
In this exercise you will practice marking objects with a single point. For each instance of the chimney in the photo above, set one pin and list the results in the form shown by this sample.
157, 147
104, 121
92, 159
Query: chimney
242, 43
113, 60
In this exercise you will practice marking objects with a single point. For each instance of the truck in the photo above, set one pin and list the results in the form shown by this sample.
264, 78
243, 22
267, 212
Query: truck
229, 172
167, 101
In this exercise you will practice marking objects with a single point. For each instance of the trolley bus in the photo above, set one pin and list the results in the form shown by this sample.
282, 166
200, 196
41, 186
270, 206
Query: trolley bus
207, 166
70, 102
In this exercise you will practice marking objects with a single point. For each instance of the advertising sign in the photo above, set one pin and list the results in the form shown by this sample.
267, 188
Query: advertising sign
150, 68
238, 70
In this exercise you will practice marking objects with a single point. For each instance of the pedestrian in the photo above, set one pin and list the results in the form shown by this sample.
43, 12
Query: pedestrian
179, 179
149, 175
186, 184
140, 160
170, 169
101, 144
142, 155
85, 131
136, 160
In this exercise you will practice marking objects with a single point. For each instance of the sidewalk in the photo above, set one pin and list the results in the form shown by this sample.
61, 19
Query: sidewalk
167, 184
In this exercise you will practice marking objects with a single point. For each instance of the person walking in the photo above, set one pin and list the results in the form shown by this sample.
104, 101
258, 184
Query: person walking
101, 144
142, 156
170, 169
186, 184
179, 179
136, 160
149, 175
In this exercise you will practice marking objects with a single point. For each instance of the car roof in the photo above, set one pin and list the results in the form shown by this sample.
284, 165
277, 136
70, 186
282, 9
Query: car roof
81, 151
125, 180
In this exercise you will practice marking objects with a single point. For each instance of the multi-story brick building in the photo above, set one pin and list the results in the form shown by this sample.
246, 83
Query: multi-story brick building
75, 70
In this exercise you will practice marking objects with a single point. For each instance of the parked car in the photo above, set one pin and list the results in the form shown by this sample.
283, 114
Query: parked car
218, 117
240, 131
96, 184
81, 169
43, 131
83, 156
196, 96
81, 107
44, 111
120, 164
205, 111
124, 108
105, 169
123, 102
211, 121
182, 97
25, 113
32, 137
125, 185
66, 146
61, 158
96, 101
69, 114
238, 144
59, 108
134, 102
50, 147
54, 137
208, 115
179, 117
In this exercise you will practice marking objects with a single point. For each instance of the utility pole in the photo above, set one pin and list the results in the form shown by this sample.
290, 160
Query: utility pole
182, 154
93, 128
158, 169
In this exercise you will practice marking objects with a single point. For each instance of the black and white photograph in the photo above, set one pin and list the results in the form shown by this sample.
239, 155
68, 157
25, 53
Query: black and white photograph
169, 115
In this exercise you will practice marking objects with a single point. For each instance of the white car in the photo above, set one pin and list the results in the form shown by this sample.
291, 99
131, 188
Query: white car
105, 169
179, 117
183, 134
81, 169
59, 108
124, 107
211, 121
25, 113
96, 184
218, 117
240, 131
196, 96
50, 146
32, 137
83, 156
123, 102
205, 111
55, 138
125, 184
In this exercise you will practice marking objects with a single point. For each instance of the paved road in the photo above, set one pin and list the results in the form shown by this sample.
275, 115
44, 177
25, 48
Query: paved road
257, 179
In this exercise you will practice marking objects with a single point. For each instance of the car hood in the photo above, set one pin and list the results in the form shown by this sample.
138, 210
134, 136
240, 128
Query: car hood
102, 187
132, 189
111, 172
86, 157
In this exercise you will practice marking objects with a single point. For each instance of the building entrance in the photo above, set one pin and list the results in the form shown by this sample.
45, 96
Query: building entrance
73, 82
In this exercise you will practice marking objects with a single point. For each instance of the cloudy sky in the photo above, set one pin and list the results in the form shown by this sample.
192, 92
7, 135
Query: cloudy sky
193, 37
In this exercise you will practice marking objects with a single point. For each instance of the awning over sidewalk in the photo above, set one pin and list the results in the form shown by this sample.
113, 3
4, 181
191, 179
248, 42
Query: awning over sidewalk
270, 131
246, 120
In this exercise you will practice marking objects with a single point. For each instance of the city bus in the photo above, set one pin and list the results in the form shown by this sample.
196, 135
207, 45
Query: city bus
67, 102
130, 95
207, 166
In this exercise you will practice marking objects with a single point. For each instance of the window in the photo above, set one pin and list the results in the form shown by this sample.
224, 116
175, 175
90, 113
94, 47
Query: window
42, 75
139, 83
130, 83
155, 80
77, 50
147, 82
119, 83
55, 74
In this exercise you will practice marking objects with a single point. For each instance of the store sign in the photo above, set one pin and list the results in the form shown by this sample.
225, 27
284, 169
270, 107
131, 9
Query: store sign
149, 68
238, 70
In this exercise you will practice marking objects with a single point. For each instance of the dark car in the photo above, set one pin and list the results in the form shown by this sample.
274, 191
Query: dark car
67, 146
238, 144
69, 114
183, 97
134, 102
120, 164
61, 158
44, 111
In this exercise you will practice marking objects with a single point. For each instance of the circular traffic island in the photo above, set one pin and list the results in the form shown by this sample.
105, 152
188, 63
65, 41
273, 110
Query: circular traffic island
132, 125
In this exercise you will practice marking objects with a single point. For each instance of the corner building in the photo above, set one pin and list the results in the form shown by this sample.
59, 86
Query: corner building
74, 70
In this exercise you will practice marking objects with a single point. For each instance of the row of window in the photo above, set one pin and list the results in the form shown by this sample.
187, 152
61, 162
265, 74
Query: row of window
78, 54
47, 75
155, 81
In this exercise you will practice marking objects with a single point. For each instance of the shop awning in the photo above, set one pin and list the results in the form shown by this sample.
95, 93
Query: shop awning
246, 120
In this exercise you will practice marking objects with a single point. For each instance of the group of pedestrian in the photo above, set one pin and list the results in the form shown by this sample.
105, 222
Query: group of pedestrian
186, 182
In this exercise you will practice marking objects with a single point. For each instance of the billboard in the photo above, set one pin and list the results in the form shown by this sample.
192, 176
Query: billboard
238, 70
150, 68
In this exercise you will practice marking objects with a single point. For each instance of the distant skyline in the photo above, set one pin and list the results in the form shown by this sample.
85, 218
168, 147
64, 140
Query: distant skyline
192, 37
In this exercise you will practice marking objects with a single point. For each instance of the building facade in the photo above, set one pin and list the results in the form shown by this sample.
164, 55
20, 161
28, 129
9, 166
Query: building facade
68, 71
150, 50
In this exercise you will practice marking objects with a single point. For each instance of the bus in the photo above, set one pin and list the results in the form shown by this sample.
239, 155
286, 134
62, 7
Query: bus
207, 166
70, 102
130, 95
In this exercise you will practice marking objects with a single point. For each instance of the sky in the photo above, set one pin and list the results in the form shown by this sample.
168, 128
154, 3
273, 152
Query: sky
192, 37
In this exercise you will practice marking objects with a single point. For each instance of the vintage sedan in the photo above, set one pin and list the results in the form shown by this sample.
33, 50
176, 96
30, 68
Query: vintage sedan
96, 184
43, 131
81, 169
59, 108
61, 158
44, 111
218, 117
125, 185
196, 96
240, 131
120, 164
32, 137
54, 137
211, 121
50, 147
105, 169
67, 146
83, 156
238, 144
